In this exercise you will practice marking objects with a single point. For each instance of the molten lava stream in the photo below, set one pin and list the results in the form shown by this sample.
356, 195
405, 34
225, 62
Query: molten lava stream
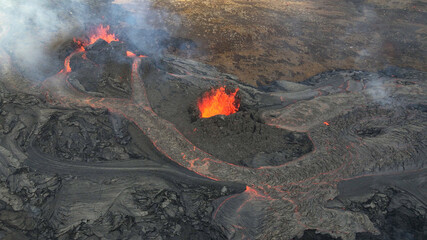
218, 102
100, 32
67, 67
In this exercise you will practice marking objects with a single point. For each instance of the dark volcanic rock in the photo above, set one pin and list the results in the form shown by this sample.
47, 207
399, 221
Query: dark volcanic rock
395, 204
258, 144
94, 136
183, 213
101, 52
102, 69
312, 235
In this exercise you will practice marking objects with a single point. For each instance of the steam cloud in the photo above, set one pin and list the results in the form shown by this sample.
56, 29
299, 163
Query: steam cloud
33, 32
378, 91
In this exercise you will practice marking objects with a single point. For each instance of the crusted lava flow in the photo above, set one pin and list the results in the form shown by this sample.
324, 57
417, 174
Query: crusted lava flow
293, 193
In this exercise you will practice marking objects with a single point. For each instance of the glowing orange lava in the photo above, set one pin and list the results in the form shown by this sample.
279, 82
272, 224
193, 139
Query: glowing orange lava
130, 54
80, 44
218, 102
102, 33
67, 64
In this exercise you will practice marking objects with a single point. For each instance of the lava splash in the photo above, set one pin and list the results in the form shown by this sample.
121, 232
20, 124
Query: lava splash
100, 32
218, 102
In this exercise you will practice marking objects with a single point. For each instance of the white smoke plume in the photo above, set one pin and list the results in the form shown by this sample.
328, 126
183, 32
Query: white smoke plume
33, 32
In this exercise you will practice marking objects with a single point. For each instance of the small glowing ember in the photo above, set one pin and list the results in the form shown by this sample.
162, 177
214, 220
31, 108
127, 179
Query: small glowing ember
326, 123
218, 102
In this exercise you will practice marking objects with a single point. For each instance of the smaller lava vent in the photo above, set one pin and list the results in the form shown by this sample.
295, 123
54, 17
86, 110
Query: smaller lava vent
219, 101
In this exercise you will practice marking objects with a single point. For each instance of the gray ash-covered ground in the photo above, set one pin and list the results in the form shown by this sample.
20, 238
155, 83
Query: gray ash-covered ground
114, 149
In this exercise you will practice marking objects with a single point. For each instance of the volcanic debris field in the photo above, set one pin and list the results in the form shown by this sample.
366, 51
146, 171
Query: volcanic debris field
112, 147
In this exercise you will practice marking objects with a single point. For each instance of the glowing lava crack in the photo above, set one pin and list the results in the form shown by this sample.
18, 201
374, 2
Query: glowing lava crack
290, 198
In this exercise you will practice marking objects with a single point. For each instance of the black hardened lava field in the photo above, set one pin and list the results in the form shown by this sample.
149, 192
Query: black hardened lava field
105, 138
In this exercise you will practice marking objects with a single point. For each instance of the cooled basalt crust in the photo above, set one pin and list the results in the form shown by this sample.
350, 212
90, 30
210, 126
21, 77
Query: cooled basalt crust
376, 128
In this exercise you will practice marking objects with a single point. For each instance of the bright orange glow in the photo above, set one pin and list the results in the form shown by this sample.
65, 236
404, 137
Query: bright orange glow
130, 54
102, 33
218, 102
80, 44
326, 123
67, 64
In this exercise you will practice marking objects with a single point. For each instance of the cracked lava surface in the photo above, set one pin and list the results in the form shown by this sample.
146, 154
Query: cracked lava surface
283, 201
293, 193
